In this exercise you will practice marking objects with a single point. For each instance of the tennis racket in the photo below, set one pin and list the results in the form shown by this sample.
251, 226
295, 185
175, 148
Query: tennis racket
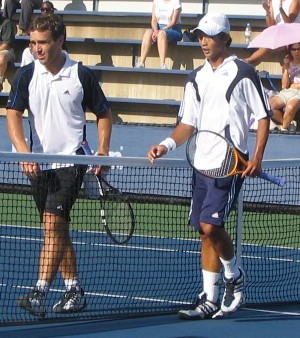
116, 212
215, 156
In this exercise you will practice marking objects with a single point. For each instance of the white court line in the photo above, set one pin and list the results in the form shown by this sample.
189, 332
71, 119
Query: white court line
128, 246
273, 312
157, 300
144, 248
137, 247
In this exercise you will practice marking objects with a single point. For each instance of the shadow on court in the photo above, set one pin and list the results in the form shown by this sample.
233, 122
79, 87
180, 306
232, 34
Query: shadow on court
262, 322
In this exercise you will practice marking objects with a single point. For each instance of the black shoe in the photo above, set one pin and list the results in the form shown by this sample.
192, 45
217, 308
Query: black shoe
34, 303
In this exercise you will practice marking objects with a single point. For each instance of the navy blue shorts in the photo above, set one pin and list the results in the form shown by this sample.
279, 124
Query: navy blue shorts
213, 199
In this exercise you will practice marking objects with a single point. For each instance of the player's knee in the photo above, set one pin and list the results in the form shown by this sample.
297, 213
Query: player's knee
208, 229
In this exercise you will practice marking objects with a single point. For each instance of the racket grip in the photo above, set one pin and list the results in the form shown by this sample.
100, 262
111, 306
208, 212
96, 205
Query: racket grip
272, 179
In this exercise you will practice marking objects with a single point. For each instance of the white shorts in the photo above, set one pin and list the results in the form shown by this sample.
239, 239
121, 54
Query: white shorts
289, 94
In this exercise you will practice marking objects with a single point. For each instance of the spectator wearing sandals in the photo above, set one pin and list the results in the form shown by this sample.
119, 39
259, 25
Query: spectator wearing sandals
165, 29
277, 12
288, 99
27, 8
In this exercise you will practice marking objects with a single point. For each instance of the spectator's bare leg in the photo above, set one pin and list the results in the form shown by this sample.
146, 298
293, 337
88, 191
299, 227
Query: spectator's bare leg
162, 45
4, 60
290, 112
277, 105
146, 44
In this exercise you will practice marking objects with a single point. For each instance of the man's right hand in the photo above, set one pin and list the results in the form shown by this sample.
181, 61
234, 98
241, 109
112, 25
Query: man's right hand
30, 169
156, 151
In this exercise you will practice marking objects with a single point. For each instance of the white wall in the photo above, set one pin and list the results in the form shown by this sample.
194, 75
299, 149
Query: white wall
233, 7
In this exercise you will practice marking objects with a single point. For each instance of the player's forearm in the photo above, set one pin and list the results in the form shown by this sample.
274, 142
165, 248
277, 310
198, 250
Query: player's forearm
15, 131
262, 135
182, 133
104, 133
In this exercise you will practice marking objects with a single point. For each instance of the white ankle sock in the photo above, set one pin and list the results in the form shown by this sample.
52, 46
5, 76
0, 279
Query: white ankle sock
42, 285
231, 269
72, 283
210, 285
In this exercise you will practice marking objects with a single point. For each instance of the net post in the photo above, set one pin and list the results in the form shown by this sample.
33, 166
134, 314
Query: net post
239, 228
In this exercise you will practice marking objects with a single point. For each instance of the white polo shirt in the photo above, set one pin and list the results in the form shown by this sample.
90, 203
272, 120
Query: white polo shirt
57, 104
223, 100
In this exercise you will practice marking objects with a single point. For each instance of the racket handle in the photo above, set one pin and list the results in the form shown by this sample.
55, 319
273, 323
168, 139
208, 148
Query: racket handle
272, 179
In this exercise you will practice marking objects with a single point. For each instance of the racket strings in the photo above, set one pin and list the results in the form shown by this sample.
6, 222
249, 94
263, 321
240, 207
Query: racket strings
229, 162
227, 156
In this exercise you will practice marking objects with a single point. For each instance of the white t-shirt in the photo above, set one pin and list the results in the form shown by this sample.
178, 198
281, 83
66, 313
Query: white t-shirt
223, 100
164, 11
286, 7
27, 57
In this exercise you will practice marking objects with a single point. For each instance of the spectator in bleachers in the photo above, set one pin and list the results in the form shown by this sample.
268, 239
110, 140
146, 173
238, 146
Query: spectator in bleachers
27, 8
7, 41
47, 7
288, 99
165, 29
277, 12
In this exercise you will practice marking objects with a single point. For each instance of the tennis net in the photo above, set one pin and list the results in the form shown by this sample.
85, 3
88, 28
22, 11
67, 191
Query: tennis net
157, 270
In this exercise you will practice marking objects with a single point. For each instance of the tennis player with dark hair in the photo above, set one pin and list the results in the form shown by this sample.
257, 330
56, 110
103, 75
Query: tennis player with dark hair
219, 96
56, 91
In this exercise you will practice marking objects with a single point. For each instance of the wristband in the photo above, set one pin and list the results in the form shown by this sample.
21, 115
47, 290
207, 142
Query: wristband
169, 143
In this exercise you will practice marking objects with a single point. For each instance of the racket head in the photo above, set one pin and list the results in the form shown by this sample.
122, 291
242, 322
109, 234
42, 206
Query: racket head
117, 215
212, 155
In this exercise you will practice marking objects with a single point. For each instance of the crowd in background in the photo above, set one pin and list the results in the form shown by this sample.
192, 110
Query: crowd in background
166, 28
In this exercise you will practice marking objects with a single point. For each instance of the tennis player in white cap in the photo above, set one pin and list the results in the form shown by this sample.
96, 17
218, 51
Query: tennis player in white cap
220, 96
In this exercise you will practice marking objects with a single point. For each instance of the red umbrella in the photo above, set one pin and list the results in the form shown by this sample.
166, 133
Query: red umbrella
277, 36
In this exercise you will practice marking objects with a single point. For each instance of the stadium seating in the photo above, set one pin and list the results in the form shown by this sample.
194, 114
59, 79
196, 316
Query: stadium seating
109, 43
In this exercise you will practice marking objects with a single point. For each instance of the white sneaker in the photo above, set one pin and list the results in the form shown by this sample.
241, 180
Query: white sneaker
233, 293
202, 309
139, 65
72, 301
163, 66
293, 127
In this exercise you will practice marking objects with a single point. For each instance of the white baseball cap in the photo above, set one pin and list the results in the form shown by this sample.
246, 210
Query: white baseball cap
213, 23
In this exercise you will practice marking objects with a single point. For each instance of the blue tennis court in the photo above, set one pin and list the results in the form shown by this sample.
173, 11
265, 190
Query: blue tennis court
159, 273
258, 321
